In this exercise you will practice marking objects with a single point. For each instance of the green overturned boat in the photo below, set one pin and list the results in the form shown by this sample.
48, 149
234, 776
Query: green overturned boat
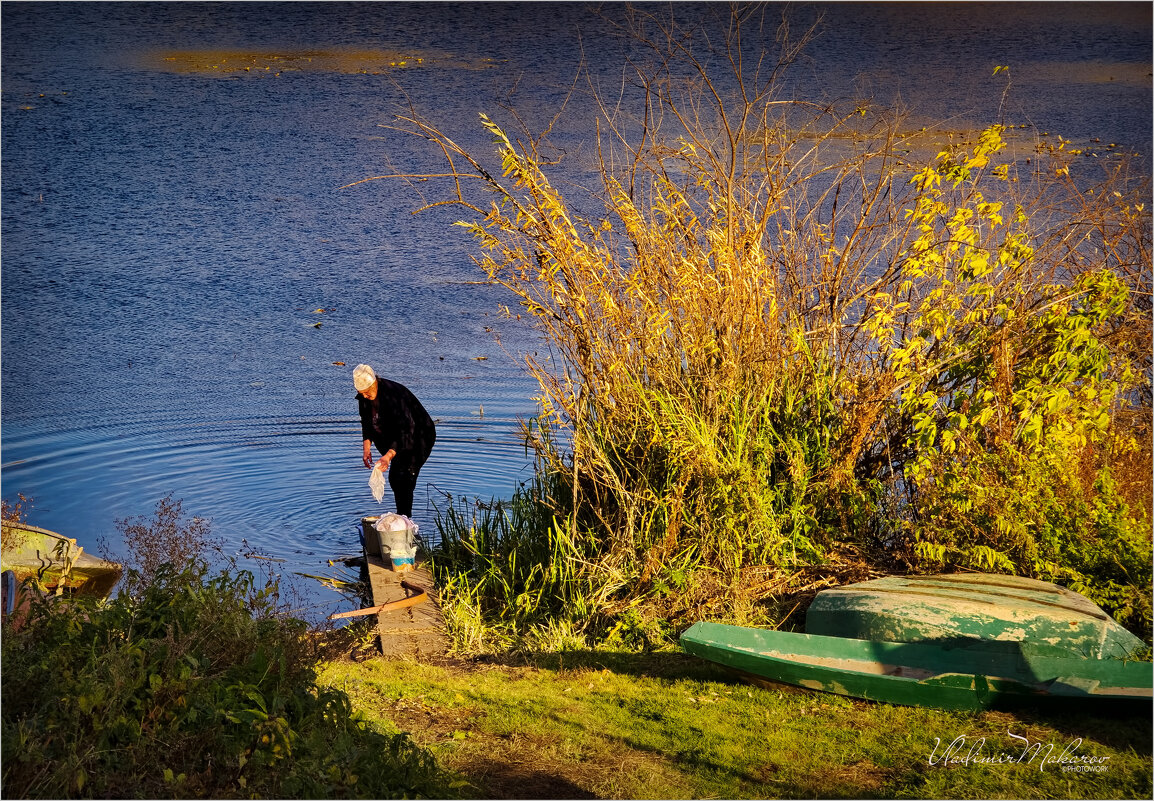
964, 641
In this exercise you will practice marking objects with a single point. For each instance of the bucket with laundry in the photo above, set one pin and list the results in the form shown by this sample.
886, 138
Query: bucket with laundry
398, 540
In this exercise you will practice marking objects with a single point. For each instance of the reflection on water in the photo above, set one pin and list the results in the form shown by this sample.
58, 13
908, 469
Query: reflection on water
171, 229
262, 64
292, 488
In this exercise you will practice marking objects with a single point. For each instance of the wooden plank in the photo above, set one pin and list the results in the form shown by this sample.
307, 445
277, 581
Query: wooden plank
416, 631
417, 595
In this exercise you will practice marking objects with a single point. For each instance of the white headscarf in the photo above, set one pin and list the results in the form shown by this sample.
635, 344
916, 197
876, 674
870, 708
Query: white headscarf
363, 377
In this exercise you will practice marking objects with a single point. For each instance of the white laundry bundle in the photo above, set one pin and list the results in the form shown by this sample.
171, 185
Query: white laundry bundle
377, 483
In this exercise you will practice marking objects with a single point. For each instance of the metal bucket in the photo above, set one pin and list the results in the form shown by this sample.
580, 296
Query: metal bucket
369, 537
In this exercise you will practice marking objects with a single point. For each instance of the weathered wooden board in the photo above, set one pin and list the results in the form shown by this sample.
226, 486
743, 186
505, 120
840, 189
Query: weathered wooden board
416, 632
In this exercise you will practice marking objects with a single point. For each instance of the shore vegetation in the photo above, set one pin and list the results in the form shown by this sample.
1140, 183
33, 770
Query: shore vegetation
617, 724
787, 345
190, 683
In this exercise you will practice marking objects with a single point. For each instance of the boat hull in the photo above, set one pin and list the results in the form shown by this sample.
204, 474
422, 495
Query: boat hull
1047, 620
961, 676
55, 562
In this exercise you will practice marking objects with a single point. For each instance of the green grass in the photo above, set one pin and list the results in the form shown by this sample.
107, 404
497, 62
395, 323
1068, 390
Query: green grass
665, 725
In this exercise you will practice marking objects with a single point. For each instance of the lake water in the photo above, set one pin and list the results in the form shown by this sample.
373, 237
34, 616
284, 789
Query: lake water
182, 272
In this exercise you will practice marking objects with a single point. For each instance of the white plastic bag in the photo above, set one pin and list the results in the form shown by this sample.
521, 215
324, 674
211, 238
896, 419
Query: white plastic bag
398, 536
377, 483
394, 522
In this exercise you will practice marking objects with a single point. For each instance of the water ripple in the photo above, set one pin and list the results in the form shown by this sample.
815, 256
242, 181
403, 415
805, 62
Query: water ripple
293, 486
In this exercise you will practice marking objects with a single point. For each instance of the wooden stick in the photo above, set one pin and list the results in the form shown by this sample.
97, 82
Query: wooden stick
404, 603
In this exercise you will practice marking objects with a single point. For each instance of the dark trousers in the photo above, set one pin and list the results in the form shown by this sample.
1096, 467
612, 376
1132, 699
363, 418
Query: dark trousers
403, 472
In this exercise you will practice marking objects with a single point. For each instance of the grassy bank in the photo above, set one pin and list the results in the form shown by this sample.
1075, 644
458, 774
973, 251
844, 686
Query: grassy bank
187, 689
665, 725
182, 691
192, 683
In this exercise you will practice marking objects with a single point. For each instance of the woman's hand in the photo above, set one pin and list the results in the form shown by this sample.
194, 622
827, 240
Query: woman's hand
368, 456
385, 460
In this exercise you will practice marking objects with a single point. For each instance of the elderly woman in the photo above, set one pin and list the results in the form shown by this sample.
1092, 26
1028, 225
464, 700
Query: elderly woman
395, 422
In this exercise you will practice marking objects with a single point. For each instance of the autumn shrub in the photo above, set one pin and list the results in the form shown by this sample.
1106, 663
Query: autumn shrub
794, 338
1012, 390
13, 512
169, 537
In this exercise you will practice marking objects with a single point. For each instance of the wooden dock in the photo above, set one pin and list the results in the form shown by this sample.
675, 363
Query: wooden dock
416, 632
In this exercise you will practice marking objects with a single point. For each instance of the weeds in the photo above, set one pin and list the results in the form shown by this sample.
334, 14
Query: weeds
503, 577
169, 538
14, 512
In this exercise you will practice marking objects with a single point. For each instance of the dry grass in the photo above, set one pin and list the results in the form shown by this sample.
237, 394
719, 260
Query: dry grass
14, 512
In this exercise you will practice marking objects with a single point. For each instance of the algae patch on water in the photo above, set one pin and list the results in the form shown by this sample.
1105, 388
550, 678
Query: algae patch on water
277, 62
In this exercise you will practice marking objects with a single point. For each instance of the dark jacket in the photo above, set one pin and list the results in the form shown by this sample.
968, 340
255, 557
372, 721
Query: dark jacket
396, 420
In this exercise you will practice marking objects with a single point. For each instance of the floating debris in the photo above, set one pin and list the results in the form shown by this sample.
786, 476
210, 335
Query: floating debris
332, 581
